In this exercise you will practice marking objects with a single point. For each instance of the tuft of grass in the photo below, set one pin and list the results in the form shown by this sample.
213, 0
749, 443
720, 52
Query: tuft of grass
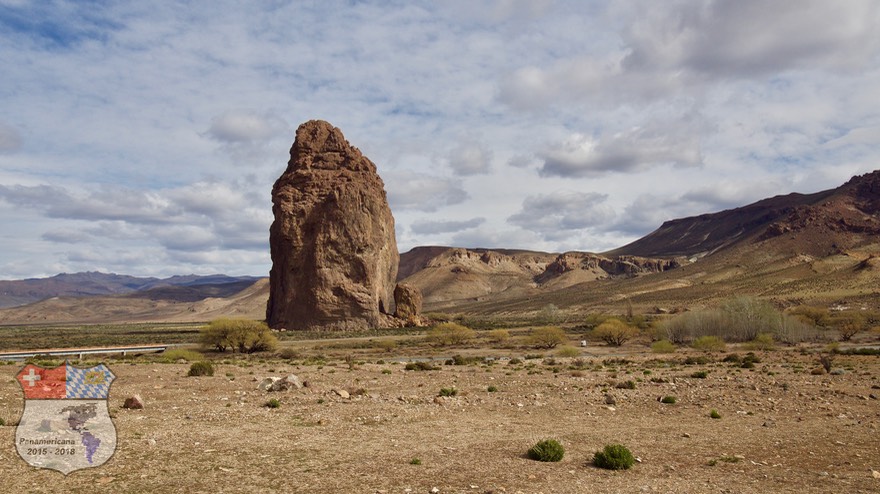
415, 461
568, 351
448, 392
492, 388
626, 385
764, 341
714, 414
699, 374
669, 400
273, 403
547, 450
709, 344
176, 354
663, 346
420, 366
614, 457
202, 368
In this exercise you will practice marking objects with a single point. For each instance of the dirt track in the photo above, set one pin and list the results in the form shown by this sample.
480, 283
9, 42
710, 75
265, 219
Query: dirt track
782, 429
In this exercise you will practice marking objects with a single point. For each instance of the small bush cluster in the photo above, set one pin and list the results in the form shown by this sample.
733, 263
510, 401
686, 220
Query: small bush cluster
272, 403
568, 351
176, 354
626, 385
547, 450
614, 457
699, 374
420, 366
448, 392
709, 344
663, 346
714, 414
202, 368
669, 400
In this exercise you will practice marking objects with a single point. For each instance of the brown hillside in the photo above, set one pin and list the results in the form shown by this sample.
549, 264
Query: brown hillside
819, 224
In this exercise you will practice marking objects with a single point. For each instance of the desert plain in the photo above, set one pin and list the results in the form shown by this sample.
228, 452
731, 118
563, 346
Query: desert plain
363, 423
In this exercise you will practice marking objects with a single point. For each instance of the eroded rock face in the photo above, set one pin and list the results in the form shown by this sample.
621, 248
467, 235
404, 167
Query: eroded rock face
334, 254
409, 304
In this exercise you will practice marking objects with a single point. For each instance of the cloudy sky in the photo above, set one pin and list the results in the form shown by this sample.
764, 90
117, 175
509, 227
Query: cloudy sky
144, 137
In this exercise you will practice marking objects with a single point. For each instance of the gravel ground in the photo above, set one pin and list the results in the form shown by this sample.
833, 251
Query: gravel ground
782, 429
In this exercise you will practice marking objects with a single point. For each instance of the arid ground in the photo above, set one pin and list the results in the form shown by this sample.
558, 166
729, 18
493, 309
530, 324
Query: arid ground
782, 428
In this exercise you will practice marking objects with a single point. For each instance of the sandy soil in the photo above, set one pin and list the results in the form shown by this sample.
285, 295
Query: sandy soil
782, 429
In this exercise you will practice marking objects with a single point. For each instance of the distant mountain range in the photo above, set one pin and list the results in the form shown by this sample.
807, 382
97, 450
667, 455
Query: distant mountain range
821, 248
91, 284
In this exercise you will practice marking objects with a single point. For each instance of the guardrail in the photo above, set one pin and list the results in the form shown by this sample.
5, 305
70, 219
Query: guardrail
54, 352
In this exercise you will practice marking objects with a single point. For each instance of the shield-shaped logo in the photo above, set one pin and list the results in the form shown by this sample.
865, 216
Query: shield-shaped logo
65, 425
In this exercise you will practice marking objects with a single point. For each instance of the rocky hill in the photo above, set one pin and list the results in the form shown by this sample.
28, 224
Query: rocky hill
817, 224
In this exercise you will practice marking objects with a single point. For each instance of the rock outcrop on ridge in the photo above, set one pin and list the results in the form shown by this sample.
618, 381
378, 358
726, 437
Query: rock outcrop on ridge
334, 254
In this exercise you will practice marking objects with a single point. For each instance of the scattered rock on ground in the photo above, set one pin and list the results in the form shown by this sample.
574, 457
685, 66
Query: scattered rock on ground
134, 402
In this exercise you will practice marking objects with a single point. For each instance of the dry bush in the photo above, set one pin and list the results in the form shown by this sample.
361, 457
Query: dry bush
817, 316
849, 324
615, 332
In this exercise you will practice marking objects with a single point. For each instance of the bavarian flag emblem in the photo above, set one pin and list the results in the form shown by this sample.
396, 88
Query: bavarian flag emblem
65, 425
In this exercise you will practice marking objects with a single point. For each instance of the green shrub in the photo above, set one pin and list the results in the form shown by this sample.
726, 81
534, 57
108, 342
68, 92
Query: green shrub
448, 392
175, 354
547, 450
2, 423
568, 351
498, 335
272, 403
288, 353
699, 360
709, 344
202, 368
386, 344
615, 332
492, 388
450, 333
699, 374
243, 335
763, 341
547, 337
420, 366
626, 385
663, 346
415, 461
614, 457
669, 400
714, 414
732, 358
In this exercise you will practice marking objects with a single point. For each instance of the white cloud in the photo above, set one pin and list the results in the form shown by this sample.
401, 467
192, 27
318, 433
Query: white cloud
435, 227
246, 126
470, 158
555, 215
422, 192
629, 151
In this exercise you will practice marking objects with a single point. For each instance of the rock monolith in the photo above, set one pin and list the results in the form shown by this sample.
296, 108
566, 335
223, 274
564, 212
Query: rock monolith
334, 254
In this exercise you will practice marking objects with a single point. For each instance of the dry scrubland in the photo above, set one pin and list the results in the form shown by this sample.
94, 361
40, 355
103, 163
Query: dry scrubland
365, 424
